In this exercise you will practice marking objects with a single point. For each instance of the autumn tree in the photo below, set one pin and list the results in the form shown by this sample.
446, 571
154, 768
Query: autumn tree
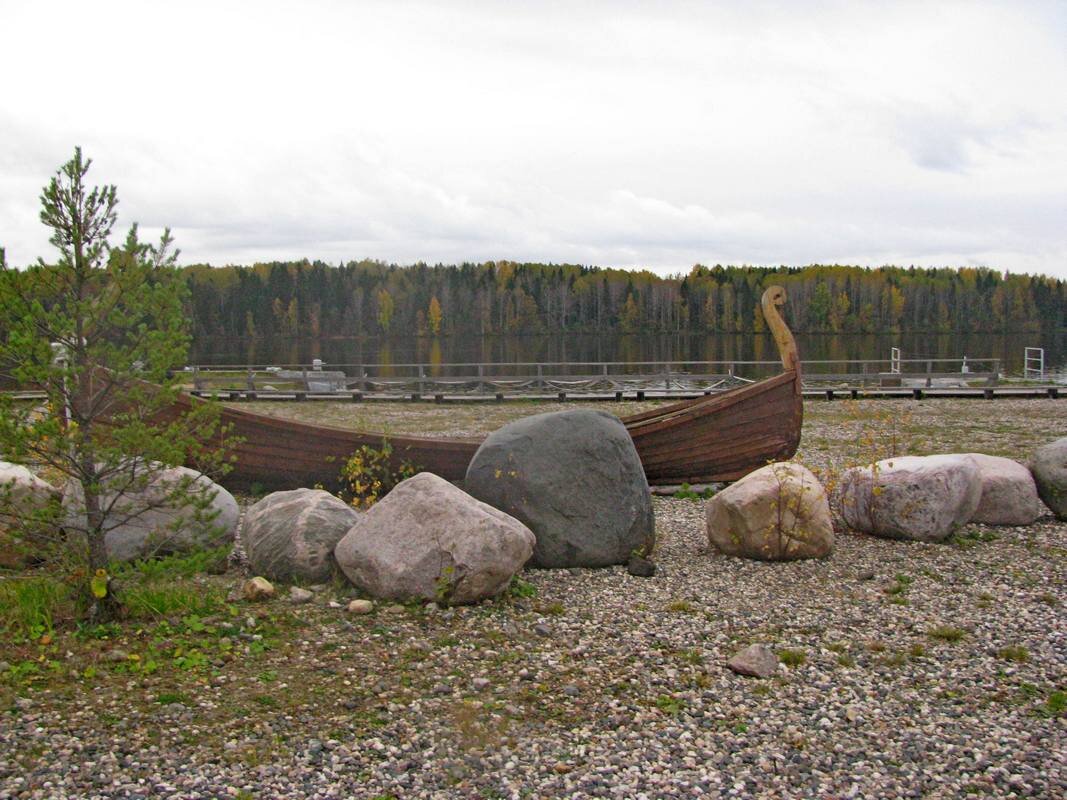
434, 315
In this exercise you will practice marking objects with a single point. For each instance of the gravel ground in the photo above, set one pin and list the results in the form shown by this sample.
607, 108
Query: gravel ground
910, 670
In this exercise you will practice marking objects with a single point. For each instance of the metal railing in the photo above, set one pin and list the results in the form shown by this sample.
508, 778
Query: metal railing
593, 377
1034, 363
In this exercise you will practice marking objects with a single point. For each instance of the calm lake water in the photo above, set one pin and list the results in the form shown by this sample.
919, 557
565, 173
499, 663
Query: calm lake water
677, 348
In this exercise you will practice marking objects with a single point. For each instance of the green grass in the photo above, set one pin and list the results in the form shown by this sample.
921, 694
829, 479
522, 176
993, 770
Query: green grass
792, 658
681, 607
1013, 653
946, 633
160, 600
669, 705
29, 607
173, 566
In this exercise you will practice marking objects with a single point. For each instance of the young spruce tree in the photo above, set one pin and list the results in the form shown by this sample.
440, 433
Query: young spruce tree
100, 331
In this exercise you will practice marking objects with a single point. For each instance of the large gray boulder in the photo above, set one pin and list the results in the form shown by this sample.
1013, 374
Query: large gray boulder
429, 540
1009, 494
921, 498
573, 477
290, 536
777, 513
177, 510
1049, 467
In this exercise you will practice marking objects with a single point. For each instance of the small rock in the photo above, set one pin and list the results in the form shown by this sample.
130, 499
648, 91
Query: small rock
865, 575
640, 567
298, 595
442, 688
23, 703
4, 666
480, 683
360, 607
542, 630
571, 690
117, 656
756, 660
561, 768
257, 588
394, 609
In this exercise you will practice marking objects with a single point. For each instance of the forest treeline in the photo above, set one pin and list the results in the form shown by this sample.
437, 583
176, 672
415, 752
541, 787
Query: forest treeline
371, 298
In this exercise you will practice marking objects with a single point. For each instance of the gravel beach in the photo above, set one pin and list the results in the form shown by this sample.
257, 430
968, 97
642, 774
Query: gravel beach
908, 669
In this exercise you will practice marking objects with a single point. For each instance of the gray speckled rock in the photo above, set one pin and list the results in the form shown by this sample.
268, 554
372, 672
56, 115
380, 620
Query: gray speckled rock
1049, 467
574, 477
921, 498
150, 522
427, 539
777, 513
290, 536
1009, 494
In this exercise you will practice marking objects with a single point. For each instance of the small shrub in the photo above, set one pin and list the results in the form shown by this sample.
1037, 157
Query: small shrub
370, 474
792, 658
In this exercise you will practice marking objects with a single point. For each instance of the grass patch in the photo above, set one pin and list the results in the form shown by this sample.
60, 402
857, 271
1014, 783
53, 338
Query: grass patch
1055, 705
160, 600
946, 633
1015, 653
170, 567
29, 607
520, 588
792, 658
681, 607
669, 704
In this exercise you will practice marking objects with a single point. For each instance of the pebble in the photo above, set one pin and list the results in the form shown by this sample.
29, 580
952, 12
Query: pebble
360, 606
298, 596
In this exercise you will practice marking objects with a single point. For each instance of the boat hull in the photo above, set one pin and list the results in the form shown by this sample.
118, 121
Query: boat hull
716, 438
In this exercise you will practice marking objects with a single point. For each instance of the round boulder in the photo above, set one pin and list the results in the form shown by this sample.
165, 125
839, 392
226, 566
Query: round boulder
429, 540
777, 513
1049, 467
1009, 494
575, 479
919, 498
290, 536
175, 510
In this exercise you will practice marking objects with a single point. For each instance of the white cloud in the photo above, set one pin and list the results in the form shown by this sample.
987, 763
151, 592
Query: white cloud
624, 134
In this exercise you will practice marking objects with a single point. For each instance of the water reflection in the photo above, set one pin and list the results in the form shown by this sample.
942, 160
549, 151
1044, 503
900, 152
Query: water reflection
657, 348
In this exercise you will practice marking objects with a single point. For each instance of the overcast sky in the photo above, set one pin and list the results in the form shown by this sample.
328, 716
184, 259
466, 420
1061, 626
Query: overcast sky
626, 134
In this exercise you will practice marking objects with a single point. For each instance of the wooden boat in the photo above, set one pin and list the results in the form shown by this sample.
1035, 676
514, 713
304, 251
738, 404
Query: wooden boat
721, 437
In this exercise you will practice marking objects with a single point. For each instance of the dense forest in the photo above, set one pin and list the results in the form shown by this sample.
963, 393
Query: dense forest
369, 297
